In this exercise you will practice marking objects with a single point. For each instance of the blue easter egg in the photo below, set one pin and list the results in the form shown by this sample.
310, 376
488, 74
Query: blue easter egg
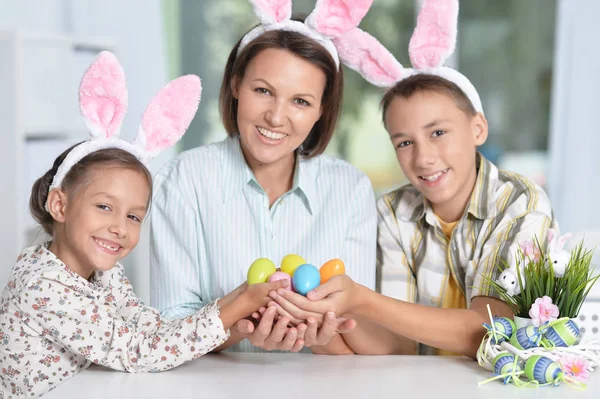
503, 364
505, 328
526, 338
563, 334
542, 369
306, 278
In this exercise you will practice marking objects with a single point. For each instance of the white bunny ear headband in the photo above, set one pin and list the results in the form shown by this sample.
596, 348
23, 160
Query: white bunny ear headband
331, 24
431, 44
103, 102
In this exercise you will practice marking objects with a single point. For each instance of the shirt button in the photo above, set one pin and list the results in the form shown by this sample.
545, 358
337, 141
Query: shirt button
274, 238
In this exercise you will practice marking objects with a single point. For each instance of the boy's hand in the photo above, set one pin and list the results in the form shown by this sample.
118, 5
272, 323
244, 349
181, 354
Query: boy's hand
338, 295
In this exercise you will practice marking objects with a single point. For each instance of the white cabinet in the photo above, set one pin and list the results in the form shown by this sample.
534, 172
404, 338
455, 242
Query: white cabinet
39, 119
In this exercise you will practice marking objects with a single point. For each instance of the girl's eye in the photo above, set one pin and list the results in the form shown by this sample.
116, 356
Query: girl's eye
103, 207
403, 144
438, 133
301, 102
134, 218
262, 90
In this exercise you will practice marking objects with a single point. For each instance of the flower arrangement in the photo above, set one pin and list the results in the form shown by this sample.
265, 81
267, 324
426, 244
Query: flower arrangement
545, 288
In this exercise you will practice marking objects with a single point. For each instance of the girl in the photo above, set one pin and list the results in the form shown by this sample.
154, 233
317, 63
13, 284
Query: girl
68, 303
267, 190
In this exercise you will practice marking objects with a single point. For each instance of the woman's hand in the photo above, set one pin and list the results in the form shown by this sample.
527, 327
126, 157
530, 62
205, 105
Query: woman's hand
271, 334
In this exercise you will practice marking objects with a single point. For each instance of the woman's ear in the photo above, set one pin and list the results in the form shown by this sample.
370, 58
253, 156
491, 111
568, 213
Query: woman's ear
235, 87
57, 204
479, 126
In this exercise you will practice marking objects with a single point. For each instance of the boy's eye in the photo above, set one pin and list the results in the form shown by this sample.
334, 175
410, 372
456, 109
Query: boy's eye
438, 133
301, 102
403, 144
262, 90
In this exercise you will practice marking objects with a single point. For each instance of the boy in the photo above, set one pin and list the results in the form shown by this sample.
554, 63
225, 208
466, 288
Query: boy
444, 235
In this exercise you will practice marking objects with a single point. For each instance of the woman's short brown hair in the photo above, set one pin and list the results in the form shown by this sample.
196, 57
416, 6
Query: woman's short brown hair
305, 48
425, 83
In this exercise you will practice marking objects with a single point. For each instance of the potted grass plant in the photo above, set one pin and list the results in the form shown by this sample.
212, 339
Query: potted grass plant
564, 277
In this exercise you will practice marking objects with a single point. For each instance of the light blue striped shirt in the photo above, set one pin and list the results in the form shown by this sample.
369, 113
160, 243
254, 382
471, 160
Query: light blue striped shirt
210, 219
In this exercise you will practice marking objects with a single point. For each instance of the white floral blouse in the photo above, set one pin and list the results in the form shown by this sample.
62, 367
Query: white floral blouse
54, 323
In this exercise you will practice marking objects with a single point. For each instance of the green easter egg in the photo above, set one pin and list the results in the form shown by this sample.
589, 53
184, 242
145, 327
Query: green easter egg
526, 338
542, 369
260, 271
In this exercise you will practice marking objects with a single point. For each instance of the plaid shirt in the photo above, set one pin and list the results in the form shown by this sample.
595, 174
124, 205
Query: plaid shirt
418, 263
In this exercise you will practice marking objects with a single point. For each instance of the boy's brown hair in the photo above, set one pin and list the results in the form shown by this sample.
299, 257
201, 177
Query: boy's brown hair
424, 83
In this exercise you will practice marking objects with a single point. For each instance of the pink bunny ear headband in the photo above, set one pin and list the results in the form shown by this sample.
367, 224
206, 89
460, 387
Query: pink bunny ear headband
432, 42
103, 102
331, 24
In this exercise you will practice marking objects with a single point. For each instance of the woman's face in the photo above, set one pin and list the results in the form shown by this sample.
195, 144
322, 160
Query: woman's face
279, 101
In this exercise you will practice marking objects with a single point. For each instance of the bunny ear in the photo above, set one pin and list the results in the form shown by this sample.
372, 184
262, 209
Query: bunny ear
334, 18
562, 241
363, 53
552, 235
434, 38
103, 96
272, 11
169, 114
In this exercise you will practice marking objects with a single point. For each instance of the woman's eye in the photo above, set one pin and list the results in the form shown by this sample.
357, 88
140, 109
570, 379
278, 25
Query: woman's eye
403, 144
262, 90
301, 102
438, 133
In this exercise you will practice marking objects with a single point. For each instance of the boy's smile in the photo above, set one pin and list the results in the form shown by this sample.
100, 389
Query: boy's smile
436, 146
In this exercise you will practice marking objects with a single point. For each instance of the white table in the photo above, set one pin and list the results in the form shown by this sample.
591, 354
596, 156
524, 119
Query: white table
307, 376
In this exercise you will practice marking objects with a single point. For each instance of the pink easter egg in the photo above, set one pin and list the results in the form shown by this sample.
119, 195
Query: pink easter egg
281, 276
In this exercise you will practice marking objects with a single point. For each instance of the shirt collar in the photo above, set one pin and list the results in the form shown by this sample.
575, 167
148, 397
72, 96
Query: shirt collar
237, 174
482, 204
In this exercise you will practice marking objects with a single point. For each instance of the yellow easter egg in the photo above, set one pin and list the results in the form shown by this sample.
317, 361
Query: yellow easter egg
260, 270
333, 267
290, 262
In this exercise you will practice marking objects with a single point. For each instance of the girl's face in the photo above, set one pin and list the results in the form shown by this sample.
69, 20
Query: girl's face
101, 224
279, 101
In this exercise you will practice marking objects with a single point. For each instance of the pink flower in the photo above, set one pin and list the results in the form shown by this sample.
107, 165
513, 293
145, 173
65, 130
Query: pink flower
530, 250
542, 311
575, 367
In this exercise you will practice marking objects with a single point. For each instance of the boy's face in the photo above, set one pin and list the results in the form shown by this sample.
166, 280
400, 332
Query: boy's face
102, 223
435, 144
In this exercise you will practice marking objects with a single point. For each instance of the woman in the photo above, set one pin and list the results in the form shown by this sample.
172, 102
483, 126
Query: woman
267, 190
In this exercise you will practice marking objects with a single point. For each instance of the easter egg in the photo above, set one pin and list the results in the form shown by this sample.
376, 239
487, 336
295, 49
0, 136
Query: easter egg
565, 333
526, 338
306, 278
333, 267
542, 369
505, 328
281, 276
290, 262
260, 270
504, 363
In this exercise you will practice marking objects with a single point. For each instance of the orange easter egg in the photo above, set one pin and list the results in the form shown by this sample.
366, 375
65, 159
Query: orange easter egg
333, 267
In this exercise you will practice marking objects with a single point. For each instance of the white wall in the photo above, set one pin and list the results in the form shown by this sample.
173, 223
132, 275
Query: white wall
575, 139
574, 185
136, 27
